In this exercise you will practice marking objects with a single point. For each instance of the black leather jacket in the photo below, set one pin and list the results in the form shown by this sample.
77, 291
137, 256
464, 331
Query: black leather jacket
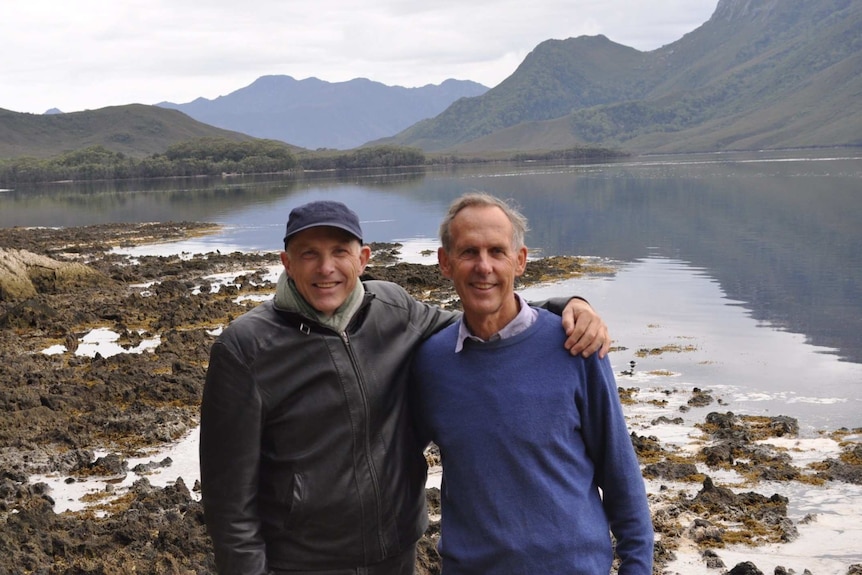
308, 458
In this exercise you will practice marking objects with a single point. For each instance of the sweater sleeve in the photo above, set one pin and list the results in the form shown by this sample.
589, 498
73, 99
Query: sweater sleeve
230, 431
618, 472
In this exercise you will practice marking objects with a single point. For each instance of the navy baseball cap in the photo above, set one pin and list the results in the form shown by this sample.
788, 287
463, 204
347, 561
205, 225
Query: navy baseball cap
322, 213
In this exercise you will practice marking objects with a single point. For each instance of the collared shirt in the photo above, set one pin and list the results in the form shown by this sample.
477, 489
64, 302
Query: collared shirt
525, 318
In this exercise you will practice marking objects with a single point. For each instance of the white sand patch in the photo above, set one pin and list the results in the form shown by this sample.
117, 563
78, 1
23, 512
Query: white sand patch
183, 457
805, 450
419, 250
435, 477
103, 341
55, 349
184, 249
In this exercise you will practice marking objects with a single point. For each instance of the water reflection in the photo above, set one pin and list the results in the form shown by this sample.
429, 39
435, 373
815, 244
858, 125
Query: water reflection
778, 233
714, 343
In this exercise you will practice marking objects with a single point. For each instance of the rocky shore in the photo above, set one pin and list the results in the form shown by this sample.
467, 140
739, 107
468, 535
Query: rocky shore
84, 417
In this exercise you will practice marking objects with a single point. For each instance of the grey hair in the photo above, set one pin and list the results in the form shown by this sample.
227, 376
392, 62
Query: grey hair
483, 199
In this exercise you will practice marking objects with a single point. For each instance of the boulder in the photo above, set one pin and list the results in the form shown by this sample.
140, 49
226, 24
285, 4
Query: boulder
24, 274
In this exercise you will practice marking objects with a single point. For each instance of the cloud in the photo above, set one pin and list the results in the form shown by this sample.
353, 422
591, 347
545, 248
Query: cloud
95, 53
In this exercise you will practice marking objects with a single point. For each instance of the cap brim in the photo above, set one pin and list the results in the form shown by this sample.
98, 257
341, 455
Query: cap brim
323, 224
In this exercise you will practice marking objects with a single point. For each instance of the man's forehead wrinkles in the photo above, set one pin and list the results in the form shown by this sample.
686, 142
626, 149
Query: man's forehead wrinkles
322, 243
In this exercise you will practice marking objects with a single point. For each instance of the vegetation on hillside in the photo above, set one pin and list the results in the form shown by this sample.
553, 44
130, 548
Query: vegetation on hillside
578, 153
371, 157
550, 83
206, 156
135, 130
200, 157
213, 157
756, 75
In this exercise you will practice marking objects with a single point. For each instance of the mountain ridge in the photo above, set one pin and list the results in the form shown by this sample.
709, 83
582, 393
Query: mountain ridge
716, 88
136, 130
313, 113
758, 74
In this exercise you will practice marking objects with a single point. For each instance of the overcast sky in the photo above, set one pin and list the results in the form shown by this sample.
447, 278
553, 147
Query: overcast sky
88, 54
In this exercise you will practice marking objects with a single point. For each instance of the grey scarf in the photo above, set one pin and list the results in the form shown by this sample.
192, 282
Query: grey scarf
288, 297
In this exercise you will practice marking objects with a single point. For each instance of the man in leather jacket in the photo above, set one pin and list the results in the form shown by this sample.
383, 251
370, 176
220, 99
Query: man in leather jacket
309, 463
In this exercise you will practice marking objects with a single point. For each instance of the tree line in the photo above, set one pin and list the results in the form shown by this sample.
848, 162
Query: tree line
200, 157
216, 157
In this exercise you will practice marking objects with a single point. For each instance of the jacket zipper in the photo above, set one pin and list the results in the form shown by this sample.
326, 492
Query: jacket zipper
368, 457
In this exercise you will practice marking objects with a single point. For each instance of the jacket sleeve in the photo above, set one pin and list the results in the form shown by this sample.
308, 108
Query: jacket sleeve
425, 318
230, 434
617, 468
431, 318
555, 305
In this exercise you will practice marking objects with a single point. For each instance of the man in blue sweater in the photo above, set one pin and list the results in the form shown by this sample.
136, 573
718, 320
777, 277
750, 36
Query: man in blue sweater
538, 466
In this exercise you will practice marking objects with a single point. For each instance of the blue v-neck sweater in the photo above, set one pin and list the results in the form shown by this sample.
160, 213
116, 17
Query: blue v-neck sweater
528, 436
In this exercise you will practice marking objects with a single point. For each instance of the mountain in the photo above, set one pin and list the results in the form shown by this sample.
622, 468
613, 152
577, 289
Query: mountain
758, 74
136, 130
313, 114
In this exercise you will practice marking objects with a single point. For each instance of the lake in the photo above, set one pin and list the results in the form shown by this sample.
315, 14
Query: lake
747, 266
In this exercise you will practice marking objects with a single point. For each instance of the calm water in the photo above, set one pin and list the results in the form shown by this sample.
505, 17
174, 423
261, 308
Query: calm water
752, 262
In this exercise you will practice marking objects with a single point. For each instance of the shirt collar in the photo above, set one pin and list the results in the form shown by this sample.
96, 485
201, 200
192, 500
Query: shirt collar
525, 318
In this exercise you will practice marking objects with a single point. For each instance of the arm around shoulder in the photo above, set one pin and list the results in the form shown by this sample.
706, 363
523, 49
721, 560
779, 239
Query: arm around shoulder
425, 317
585, 330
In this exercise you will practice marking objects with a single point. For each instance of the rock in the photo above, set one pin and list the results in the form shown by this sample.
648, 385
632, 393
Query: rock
712, 560
111, 465
647, 448
32, 313
24, 274
702, 531
668, 421
746, 568
784, 426
670, 470
749, 517
151, 465
847, 468
700, 398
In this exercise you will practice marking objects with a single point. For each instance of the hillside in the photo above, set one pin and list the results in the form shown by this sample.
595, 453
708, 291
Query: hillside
314, 114
135, 130
758, 74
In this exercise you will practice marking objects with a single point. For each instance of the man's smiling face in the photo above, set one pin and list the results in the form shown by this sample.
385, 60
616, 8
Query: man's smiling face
325, 263
482, 263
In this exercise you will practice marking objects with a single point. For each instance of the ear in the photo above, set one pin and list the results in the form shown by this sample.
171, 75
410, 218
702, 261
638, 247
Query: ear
285, 261
521, 266
364, 256
444, 263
